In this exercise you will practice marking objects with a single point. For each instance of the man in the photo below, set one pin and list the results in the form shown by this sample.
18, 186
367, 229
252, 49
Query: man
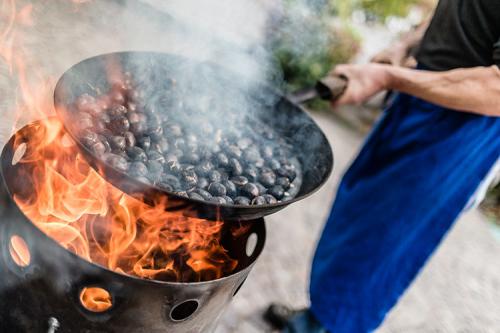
415, 173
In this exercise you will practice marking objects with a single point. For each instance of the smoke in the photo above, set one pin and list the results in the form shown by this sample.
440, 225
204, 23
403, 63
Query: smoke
241, 36
305, 29
234, 34
231, 34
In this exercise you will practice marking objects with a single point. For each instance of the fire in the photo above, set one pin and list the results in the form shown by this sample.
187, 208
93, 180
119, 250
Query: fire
96, 299
75, 206
19, 251
33, 98
71, 203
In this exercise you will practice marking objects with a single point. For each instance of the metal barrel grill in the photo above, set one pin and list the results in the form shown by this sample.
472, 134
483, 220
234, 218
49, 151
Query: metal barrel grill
41, 294
44, 292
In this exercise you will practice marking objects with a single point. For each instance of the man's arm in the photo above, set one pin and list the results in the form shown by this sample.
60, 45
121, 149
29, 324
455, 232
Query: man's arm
474, 90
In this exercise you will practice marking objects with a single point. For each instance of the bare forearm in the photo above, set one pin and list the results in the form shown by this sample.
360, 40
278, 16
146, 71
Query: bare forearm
472, 90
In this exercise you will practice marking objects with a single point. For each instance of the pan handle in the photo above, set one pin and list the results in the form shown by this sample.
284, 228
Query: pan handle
332, 87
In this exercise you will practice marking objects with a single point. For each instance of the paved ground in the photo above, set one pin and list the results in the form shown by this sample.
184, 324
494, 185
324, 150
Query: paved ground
458, 291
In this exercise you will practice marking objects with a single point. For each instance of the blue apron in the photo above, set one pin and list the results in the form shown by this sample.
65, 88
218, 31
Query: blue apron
410, 182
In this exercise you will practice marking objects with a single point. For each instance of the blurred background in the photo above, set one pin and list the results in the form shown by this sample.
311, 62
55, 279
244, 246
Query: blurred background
458, 291
297, 42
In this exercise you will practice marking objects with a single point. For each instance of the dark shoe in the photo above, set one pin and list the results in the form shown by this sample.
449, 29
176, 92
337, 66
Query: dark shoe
292, 321
278, 315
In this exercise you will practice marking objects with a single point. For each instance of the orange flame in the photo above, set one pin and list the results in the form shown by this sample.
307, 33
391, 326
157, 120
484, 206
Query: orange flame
75, 206
33, 97
19, 251
96, 299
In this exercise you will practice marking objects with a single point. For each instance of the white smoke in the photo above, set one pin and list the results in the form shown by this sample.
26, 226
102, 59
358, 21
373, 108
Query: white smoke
232, 33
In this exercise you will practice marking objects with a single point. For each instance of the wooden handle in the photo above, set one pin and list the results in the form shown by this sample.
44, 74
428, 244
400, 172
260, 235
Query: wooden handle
332, 87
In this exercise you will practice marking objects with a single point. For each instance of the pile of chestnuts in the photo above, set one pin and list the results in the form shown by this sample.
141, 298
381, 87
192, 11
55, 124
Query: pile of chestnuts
162, 141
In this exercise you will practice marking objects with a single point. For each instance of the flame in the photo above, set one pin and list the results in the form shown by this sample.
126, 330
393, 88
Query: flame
7, 15
96, 299
33, 98
75, 206
19, 251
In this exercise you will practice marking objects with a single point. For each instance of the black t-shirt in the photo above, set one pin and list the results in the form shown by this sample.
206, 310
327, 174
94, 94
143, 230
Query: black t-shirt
463, 33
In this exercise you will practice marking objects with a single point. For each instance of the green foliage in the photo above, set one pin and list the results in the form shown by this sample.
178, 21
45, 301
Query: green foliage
309, 50
385, 8
343, 8
304, 69
308, 44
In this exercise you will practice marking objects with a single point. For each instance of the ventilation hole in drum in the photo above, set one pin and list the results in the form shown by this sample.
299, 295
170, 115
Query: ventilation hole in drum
19, 153
239, 287
184, 310
19, 251
95, 299
251, 244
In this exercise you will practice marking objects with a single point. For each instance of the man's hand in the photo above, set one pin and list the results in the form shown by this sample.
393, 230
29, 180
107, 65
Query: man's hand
475, 89
364, 82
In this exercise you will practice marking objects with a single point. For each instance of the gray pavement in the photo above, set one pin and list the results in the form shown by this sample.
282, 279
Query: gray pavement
458, 291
